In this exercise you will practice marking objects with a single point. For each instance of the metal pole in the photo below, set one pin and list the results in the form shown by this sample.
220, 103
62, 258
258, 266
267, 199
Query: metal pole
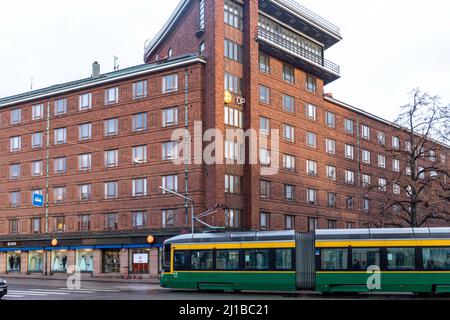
186, 144
47, 176
193, 218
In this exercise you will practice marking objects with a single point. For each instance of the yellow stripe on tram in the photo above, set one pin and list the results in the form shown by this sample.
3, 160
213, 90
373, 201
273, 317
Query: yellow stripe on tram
382, 243
238, 245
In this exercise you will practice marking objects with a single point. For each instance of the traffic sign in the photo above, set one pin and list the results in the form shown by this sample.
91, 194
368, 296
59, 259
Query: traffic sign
38, 200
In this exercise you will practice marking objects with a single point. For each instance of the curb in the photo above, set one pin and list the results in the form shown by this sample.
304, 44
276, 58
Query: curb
92, 279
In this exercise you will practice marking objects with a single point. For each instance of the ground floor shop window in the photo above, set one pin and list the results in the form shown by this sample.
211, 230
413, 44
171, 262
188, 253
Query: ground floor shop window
111, 261
139, 261
35, 261
13, 261
59, 261
85, 260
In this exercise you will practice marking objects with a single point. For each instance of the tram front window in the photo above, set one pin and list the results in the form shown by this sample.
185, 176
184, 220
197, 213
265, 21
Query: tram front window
166, 258
180, 260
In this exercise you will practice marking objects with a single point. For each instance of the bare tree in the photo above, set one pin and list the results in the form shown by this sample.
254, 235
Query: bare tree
421, 191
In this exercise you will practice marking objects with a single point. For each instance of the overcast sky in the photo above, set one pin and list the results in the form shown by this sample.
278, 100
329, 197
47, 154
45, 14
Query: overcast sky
389, 47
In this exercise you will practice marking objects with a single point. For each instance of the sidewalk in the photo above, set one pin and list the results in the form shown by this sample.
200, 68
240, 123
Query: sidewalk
83, 278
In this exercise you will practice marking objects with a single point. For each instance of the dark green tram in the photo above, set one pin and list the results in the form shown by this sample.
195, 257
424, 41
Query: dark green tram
359, 260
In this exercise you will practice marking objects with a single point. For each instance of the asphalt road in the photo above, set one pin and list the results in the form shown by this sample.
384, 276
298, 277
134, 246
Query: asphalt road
35, 289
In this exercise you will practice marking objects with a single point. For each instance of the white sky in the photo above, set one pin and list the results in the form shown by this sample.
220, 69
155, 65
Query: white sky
389, 47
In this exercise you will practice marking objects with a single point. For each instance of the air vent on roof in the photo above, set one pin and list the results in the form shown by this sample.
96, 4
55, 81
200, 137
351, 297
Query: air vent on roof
95, 70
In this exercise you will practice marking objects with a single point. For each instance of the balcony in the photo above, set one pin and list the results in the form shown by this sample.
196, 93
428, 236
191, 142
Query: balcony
275, 45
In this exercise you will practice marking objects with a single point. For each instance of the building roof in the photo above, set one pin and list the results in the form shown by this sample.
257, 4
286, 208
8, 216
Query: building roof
102, 79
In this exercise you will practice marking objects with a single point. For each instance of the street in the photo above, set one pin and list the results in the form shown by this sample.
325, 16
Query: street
38, 289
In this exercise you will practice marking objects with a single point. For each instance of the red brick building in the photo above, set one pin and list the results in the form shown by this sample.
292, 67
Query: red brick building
98, 149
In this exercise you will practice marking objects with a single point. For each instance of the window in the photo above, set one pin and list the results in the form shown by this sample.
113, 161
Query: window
16, 144
366, 156
264, 157
330, 146
408, 171
180, 260
289, 222
60, 225
264, 125
227, 259
311, 167
13, 227
288, 103
312, 224
264, 94
139, 154
233, 51
14, 198
311, 84
436, 258
349, 152
60, 165
85, 131
381, 161
85, 101
36, 225
60, 136
202, 260
201, 14
16, 116
60, 107
311, 139
264, 63
170, 52
264, 189
201, 48
366, 205
111, 221
170, 83
84, 162
85, 192
432, 155
14, 171
365, 132
289, 134
289, 192
401, 258
408, 146
288, 162
349, 126
349, 225
421, 172
83, 223
396, 165
233, 117
349, 177
331, 119
111, 96
36, 168
233, 83
170, 117
331, 200
140, 89
350, 203
331, 173
170, 150
311, 196
111, 189
256, 259
168, 218
382, 184
288, 74
334, 259
232, 218
59, 194
396, 143
311, 111
381, 137
283, 259
111, 158
396, 188
139, 187
234, 15
37, 112
170, 183
264, 221
332, 224
111, 127
232, 184
362, 259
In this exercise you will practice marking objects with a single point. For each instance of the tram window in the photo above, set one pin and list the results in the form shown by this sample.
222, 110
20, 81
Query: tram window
401, 258
227, 259
180, 261
202, 260
436, 258
362, 259
283, 259
256, 259
334, 259
166, 257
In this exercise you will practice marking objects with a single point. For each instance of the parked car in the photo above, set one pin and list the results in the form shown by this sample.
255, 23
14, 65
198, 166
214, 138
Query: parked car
3, 288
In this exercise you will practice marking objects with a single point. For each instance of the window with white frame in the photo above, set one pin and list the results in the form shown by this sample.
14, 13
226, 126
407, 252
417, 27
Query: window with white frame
349, 177
14, 198
111, 127
139, 122
140, 89
311, 139
111, 189
311, 196
331, 146
111, 96
60, 107
288, 162
264, 157
232, 150
264, 189
16, 116
288, 74
289, 192
234, 14
311, 167
201, 48
36, 225
170, 183
366, 205
382, 184
201, 14
233, 51
139, 187
289, 134
111, 221
330, 119
396, 165
311, 111
15, 144
85, 101
233, 117
349, 125
37, 168
313, 224
111, 158
311, 83
139, 219
168, 218
366, 156
381, 137
232, 83
264, 221
264, 125
84, 162
170, 83
382, 161
264, 94
332, 199
139, 154
170, 150
349, 151
85, 131
432, 155
37, 112
396, 143
170, 117
396, 188
37, 140
408, 171
232, 184
365, 132
421, 172
288, 103
408, 146
366, 180
59, 194
60, 136
350, 203
60, 165
289, 222
331, 173
14, 171
85, 192
264, 63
